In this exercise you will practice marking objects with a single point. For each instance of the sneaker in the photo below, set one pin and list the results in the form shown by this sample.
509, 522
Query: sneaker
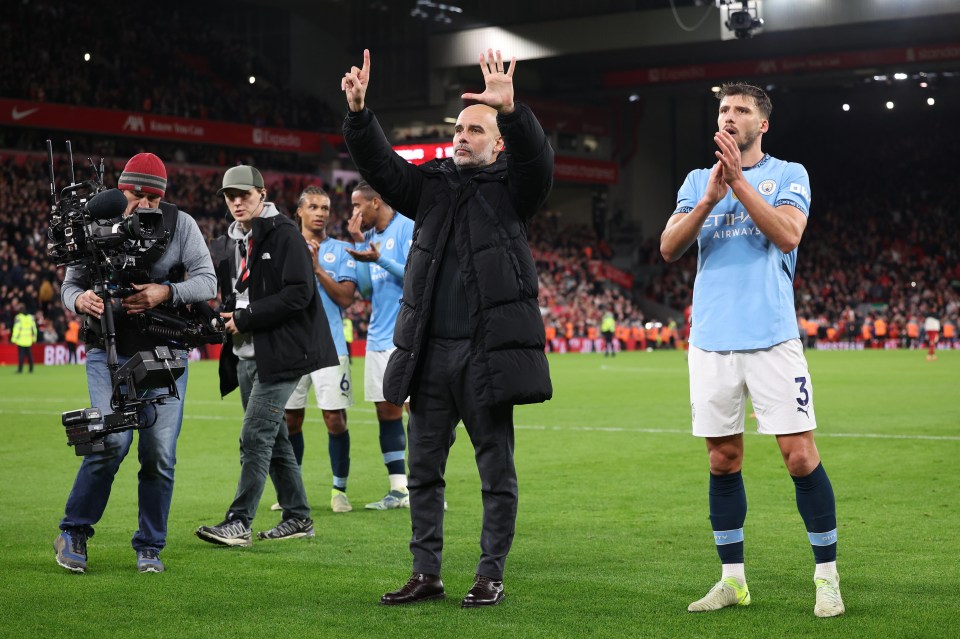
393, 499
829, 602
71, 547
230, 532
276, 506
727, 592
339, 502
148, 560
292, 528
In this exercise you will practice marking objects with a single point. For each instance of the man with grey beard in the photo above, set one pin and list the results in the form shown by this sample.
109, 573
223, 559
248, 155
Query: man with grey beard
470, 341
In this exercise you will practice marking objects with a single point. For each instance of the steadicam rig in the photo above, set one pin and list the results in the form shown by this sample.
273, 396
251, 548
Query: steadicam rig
89, 230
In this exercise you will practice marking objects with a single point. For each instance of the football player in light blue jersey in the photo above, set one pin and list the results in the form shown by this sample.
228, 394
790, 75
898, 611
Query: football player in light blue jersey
747, 214
382, 238
336, 274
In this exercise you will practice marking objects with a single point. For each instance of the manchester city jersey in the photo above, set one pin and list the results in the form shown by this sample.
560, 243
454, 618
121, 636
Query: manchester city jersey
743, 293
341, 266
393, 244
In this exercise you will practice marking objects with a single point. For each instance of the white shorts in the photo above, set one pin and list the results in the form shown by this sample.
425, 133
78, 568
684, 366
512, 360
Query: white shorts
374, 366
332, 386
776, 379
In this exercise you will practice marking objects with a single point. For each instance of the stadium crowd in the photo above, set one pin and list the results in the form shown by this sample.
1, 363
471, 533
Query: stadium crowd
195, 73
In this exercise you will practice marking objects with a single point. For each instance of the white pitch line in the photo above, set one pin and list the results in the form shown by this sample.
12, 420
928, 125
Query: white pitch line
599, 429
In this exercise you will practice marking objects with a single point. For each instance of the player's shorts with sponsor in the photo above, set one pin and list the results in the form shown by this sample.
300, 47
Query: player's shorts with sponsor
374, 366
933, 336
776, 379
332, 386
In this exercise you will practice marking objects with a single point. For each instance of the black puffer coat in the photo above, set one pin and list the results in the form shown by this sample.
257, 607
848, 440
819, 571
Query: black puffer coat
496, 266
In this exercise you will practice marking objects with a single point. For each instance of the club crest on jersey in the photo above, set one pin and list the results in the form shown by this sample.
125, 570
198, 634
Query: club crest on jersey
389, 243
329, 258
767, 187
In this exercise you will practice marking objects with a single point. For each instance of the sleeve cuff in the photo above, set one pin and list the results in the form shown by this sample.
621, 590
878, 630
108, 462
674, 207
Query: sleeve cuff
359, 119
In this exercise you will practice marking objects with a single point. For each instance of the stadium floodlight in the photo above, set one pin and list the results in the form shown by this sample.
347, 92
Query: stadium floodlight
743, 21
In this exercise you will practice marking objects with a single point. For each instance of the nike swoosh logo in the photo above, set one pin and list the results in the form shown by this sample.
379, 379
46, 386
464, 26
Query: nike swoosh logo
16, 114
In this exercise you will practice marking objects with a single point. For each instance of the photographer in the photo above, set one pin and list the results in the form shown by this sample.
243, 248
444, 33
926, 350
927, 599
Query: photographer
280, 333
143, 182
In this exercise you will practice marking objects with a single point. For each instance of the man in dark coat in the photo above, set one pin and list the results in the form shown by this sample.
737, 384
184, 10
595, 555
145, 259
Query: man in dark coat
279, 333
470, 340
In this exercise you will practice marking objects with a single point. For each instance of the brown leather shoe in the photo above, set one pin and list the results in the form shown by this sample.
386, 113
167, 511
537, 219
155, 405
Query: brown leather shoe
420, 587
485, 592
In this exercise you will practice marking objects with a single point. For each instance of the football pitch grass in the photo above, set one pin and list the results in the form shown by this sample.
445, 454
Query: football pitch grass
613, 536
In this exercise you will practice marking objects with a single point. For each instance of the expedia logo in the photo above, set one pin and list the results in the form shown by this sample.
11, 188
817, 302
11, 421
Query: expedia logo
258, 136
767, 187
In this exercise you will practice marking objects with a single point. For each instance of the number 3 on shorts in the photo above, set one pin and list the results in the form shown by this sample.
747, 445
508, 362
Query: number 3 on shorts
804, 398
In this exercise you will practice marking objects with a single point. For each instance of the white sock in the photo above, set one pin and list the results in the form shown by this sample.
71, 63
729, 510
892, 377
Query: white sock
398, 482
827, 570
733, 570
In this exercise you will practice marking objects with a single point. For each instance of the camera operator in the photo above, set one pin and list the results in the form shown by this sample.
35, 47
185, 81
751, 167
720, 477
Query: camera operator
143, 182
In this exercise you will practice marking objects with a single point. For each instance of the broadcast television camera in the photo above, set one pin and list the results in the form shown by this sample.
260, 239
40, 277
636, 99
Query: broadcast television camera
88, 229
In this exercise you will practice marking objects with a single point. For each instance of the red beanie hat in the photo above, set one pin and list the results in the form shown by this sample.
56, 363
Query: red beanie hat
144, 172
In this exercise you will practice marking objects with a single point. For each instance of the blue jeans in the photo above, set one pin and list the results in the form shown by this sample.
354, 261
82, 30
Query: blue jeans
265, 448
156, 449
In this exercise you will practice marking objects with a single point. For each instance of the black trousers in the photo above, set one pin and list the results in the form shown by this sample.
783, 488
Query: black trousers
24, 354
444, 396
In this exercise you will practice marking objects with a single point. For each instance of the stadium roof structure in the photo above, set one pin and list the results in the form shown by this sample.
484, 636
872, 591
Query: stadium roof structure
586, 51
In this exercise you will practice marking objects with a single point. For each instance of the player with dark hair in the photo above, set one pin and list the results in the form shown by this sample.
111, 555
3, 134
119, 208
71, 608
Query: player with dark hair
382, 238
747, 213
336, 273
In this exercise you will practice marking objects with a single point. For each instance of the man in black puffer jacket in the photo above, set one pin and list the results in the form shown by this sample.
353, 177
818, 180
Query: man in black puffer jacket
469, 337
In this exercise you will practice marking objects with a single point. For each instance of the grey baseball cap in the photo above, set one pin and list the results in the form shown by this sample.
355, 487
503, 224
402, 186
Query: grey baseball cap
242, 178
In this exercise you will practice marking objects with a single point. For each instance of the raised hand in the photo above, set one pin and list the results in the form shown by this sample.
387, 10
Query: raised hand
729, 156
498, 92
716, 186
355, 227
354, 84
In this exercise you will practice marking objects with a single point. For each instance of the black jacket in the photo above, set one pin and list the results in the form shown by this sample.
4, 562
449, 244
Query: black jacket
291, 336
496, 266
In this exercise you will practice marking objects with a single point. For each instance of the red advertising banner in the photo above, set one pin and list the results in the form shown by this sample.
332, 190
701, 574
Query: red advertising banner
795, 64
42, 115
565, 168
603, 271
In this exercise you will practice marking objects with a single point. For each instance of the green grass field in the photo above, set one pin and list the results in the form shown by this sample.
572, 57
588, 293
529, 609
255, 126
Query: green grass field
613, 538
